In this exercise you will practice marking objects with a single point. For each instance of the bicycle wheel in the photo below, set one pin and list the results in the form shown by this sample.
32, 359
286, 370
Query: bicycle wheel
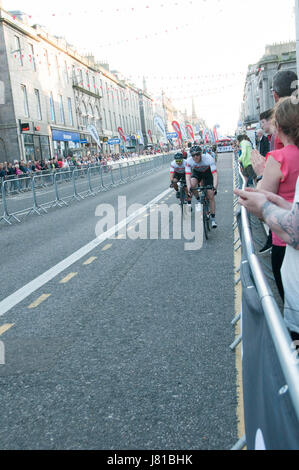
206, 220
182, 198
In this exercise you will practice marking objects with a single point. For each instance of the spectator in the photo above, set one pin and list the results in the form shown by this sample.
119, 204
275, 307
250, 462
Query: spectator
263, 144
282, 170
283, 218
245, 158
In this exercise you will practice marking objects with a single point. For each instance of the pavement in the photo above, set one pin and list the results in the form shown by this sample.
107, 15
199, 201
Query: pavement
127, 348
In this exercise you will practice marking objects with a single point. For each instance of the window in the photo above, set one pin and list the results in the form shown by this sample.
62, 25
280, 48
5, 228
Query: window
94, 84
47, 60
61, 110
32, 57
66, 74
18, 50
57, 67
38, 106
52, 109
25, 100
105, 118
87, 80
69, 104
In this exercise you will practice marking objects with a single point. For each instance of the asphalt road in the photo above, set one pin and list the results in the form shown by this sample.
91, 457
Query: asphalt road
131, 351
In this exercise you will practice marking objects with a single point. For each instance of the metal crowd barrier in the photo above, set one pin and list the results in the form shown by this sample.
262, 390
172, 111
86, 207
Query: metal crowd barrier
57, 188
277, 328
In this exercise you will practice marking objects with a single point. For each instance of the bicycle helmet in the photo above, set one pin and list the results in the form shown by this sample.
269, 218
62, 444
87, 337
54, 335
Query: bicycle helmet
196, 150
179, 157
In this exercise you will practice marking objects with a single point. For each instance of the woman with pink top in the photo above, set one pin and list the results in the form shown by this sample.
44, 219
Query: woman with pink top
282, 171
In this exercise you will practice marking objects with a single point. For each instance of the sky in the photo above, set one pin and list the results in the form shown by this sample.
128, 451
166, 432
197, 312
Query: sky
198, 49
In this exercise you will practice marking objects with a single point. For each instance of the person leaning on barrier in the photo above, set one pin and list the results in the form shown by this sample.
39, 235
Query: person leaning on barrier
283, 218
281, 171
245, 158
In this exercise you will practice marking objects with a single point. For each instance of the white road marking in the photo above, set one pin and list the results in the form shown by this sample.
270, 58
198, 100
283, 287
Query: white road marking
14, 299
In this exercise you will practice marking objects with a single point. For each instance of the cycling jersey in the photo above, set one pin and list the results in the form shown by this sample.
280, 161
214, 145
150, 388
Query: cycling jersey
175, 168
207, 162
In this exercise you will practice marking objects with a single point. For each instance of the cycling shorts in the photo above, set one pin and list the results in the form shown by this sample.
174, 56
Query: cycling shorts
206, 177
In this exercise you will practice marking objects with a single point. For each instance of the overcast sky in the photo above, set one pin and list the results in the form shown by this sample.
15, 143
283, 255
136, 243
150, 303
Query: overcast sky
188, 48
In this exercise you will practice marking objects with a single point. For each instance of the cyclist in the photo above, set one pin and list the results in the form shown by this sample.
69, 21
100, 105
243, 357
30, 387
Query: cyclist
177, 172
201, 170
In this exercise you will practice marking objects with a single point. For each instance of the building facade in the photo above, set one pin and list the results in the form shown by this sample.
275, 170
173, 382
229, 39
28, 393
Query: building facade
258, 96
52, 94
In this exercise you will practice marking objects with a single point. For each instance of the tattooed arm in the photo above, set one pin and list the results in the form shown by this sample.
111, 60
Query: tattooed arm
278, 214
284, 223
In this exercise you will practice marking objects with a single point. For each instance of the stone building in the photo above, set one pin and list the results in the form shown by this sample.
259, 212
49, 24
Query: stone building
51, 94
258, 96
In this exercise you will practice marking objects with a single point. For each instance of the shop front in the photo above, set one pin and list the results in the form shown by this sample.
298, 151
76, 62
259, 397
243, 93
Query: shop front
37, 147
65, 143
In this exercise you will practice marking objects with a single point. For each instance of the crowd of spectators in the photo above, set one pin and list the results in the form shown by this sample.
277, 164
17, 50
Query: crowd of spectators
22, 169
274, 170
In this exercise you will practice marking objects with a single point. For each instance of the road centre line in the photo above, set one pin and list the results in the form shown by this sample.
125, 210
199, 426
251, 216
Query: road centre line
90, 260
5, 328
18, 296
68, 278
107, 247
38, 301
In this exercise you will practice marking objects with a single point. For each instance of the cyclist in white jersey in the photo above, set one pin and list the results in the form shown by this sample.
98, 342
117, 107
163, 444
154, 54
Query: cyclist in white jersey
201, 170
177, 172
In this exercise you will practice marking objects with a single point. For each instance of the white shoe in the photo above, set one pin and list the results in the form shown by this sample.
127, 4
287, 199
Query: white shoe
214, 223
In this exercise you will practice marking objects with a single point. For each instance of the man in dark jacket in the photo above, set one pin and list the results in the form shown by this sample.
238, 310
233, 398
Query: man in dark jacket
263, 144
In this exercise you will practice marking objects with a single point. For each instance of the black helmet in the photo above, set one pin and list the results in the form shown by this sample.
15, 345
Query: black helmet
179, 156
196, 150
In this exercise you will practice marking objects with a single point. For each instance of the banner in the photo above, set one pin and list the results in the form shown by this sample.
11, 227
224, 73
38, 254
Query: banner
184, 132
215, 134
140, 138
122, 134
270, 419
94, 134
150, 135
159, 123
177, 128
190, 130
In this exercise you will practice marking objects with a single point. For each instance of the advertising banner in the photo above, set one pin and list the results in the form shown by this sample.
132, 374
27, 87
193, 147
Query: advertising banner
122, 134
190, 130
159, 123
150, 135
177, 128
94, 134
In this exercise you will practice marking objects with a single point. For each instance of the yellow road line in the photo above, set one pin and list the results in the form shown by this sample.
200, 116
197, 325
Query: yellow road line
119, 237
68, 278
38, 301
90, 260
5, 328
106, 247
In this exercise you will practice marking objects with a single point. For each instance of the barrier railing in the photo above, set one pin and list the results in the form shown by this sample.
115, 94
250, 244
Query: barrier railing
57, 188
281, 339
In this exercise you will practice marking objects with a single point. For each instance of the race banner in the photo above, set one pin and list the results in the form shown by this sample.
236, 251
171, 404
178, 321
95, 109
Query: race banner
270, 418
159, 123
122, 134
140, 137
177, 129
94, 134
184, 132
190, 130
150, 135
215, 133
